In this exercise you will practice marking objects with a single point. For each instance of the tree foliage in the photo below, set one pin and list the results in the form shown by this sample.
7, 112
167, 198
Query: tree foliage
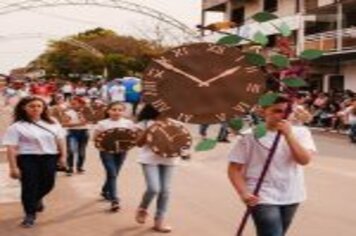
120, 55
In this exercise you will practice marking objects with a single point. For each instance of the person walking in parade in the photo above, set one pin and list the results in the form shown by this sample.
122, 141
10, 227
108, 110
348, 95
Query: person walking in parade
113, 162
157, 171
35, 146
283, 188
78, 134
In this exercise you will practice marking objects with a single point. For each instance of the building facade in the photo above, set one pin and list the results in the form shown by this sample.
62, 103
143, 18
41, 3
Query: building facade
328, 25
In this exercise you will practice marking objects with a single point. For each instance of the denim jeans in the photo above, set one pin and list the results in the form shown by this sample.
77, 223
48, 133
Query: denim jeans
352, 134
273, 220
38, 174
112, 164
158, 181
223, 131
77, 141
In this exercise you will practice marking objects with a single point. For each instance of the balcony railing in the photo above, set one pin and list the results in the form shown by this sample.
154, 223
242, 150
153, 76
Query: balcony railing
328, 41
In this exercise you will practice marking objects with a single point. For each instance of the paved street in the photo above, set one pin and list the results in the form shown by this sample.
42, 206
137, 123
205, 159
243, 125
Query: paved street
203, 202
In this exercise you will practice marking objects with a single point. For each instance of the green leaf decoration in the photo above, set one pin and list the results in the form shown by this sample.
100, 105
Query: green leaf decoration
311, 54
285, 30
280, 61
236, 124
264, 17
255, 59
267, 99
260, 38
294, 82
260, 130
206, 145
230, 40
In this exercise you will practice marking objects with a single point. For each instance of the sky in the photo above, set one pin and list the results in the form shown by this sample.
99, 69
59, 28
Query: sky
24, 34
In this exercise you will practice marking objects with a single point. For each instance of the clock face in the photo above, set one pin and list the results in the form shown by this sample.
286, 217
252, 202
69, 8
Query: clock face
202, 83
116, 140
168, 139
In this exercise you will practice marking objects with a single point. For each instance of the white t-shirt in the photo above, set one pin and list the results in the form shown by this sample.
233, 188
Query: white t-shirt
111, 124
147, 156
117, 93
351, 118
31, 139
284, 182
80, 91
74, 118
67, 88
104, 92
93, 92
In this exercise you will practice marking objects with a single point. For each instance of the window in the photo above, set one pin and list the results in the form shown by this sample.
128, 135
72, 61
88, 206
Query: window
270, 5
238, 15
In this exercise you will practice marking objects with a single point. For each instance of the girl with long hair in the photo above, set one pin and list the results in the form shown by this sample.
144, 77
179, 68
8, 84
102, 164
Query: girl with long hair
77, 134
35, 145
112, 162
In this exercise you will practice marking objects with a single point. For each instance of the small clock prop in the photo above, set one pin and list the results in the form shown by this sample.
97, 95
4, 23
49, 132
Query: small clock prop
202, 83
169, 139
116, 140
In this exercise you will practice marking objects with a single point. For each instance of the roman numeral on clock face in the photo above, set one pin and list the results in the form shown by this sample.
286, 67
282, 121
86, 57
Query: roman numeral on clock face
161, 105
253, 88
179, 52
150, 88
221, 116
240, 59
220, 50
242, 107
252, 69
163, 60
184, 117
155, 73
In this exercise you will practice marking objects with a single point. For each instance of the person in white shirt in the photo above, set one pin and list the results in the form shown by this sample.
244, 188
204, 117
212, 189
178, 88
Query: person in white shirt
117, 92
104, 93
35, 144
283, 188
113, 162
77, 134
80, 90
350, 119
157, 172
93, 93
67, 90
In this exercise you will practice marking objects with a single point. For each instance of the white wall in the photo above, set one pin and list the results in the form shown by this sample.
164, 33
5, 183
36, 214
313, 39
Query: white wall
349, 72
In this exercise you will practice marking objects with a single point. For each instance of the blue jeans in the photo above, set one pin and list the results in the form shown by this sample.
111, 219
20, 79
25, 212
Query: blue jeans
112, 164
273, 220
77, 141
352, 134
158, 180
223, 132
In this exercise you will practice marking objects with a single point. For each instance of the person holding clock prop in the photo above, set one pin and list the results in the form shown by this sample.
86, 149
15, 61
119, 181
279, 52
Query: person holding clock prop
157, 169
77, 135
112, 160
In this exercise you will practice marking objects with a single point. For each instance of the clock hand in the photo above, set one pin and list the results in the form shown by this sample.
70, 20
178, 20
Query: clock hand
166, 134
179, 71
224, 74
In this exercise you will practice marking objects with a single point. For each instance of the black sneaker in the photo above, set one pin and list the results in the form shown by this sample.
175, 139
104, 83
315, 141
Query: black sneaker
224, 140
69, 172
115, 206
28, 221
40, 207
105, 195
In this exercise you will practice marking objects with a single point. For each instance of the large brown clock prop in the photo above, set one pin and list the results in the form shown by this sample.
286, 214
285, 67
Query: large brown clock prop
202, 83
168, 139
116, 140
